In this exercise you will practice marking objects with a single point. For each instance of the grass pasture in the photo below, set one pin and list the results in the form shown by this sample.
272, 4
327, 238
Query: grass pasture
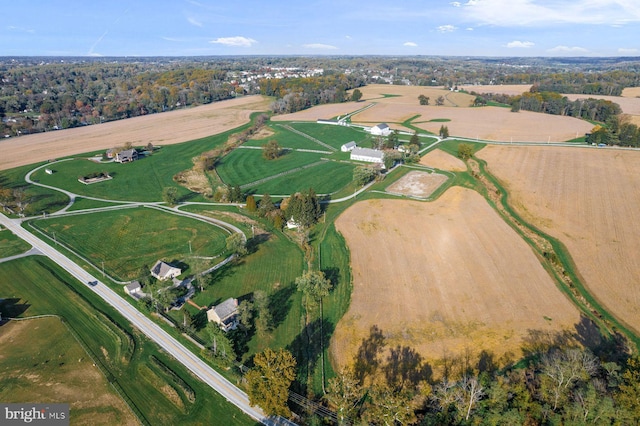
43, 362
285, 138
244, 166
126, 240
10, 245
336, 136
37, 286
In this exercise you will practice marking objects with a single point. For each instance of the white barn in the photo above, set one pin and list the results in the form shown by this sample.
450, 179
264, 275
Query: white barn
368, 155
381, 129
349, 146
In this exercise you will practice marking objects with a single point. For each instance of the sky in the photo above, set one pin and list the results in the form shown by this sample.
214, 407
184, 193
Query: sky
322, 27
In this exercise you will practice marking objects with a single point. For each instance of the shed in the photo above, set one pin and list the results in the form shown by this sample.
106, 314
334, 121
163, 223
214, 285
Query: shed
349, 146
132, 288
381, 129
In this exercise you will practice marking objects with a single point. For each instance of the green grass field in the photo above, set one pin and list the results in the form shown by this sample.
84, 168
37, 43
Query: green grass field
336, 136
10, 245
286, 139
244, 166
272, 268
325, 178
42, 361
40, 199
36, 286
126, 240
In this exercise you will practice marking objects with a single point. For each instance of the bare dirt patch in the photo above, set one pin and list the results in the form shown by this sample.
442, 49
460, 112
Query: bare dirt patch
440, 277
417, 184
585, 198
263, 133
444, 161
159, 129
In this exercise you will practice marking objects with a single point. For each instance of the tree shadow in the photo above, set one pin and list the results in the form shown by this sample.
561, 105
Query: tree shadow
199, 320
220, 273
188, 196
367, 360
611, 348
254, 242
405, 367
178, 264
11, 308
307, 349
333, 275
537, 342
487, 363
280, 304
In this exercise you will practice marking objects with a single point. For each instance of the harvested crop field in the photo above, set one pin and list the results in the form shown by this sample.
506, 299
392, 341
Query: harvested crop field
631, 92
159, 129
395, 94
417, 184
500, 124
325, 112
444, 161
501, 89
439, 277
588, 199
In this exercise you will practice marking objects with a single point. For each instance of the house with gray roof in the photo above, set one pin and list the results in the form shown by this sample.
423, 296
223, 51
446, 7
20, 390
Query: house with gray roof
349, 146
225, 314
164, 271
126, 156
133, 289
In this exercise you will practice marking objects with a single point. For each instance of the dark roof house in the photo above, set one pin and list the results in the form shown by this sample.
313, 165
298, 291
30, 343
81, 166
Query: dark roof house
225, 314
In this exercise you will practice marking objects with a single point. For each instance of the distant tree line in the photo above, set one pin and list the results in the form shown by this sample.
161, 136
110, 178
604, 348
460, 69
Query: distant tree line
617, 131
295, 94
555, 104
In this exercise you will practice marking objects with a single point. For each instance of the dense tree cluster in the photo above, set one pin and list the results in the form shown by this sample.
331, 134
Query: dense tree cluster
303, 208
554, 103
295, 94
62, 95
618, 131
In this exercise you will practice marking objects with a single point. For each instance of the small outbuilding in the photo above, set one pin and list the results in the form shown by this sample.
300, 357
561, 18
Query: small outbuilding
349, 146
381, 129
225, 314
164, 271
133, 288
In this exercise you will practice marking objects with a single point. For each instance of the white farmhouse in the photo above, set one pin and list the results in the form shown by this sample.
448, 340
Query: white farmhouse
349, 146
368, 155
381, 129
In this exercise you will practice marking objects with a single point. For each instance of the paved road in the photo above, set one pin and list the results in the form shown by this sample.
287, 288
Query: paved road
148, 327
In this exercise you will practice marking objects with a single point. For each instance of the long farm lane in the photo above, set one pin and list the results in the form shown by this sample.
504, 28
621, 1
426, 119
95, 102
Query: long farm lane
198, 367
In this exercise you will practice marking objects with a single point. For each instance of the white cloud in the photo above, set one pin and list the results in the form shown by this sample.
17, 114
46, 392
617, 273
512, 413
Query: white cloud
237, 41
194, 22
446, 29
510, 13
626, 51
455, 4
567, 49
520, 44
348, 37
319, 46
410, 44
21, 29
469, 29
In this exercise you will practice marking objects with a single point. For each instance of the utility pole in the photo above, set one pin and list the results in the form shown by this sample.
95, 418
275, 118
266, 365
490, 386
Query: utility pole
103, 269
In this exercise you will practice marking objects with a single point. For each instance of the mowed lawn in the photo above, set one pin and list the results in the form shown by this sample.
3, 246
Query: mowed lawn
336, 136
141, 180
35, 286
324, 178
127, 240
244, 166
286, 139
11, 245
272, 268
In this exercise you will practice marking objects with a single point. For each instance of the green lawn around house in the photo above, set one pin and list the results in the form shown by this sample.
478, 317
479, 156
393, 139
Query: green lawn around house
141, 373
10, 244
127, 240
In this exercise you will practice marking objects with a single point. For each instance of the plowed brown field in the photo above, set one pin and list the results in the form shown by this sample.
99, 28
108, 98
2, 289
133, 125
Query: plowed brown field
443, 161
440, 277
159, 129
588, 199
